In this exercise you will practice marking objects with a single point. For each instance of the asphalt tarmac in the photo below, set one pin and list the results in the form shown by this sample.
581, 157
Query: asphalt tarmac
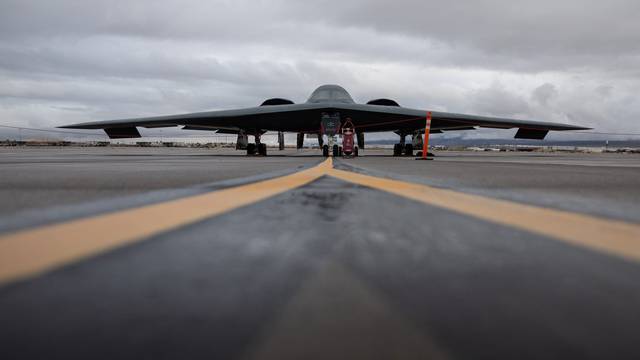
599, 184
468, 256
34, 178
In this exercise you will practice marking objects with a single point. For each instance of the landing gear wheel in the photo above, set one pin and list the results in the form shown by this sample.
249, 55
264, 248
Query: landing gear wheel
262, 149
325, 151
340, 151
397, 150
355, 151
408, 150
251, 149
336, 151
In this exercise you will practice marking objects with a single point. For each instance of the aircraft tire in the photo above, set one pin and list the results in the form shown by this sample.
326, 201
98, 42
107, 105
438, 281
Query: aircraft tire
262, 149
325, 151
355, 151
340, 151
397, 150
336, 151
251, 149
408, 150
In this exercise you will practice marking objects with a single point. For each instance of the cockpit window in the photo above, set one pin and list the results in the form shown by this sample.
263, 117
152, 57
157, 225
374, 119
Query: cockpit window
322, 95
330, 93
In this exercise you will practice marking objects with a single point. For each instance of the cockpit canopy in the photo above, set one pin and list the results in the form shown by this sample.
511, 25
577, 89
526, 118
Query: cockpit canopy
329, 94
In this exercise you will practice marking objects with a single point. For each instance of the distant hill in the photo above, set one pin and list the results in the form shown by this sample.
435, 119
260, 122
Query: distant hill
493, 142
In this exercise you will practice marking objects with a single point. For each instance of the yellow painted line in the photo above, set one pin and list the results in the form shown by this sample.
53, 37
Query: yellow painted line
31, 252
610, 236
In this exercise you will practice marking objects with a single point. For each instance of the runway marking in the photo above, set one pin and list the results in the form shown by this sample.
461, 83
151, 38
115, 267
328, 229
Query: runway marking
28, 253
336, 315
611, 236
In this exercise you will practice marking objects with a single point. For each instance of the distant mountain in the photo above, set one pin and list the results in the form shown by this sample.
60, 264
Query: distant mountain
496, 142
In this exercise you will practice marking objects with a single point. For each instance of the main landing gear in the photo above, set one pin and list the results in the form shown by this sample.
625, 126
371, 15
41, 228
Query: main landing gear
403, 149
257, 148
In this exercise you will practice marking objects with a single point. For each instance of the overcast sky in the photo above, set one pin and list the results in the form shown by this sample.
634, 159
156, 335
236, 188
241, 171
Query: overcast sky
571, 61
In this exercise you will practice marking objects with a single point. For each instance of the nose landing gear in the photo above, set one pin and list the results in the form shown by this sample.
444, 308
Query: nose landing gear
337, 150
331, 127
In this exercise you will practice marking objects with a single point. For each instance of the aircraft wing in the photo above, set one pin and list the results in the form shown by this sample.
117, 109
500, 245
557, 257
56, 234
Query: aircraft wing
274, 117
374, 118
306, 118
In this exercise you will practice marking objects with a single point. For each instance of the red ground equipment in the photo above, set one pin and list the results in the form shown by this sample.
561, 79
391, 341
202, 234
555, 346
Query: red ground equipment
348, 133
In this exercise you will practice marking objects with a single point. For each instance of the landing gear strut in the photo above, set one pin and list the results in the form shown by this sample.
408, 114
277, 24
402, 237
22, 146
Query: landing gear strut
243, 141
280, 140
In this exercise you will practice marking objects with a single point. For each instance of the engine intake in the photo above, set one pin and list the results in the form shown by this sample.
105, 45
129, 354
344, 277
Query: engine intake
277, 101
383, 102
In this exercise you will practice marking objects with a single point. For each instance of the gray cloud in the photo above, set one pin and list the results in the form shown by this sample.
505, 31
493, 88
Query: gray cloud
75, 60
518, 28
544, 93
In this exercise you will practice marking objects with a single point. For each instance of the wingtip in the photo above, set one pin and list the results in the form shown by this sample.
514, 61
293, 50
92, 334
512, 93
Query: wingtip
76, 126
70, 126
